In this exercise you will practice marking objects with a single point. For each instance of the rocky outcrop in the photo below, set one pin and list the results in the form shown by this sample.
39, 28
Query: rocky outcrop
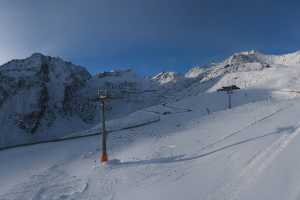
37, 91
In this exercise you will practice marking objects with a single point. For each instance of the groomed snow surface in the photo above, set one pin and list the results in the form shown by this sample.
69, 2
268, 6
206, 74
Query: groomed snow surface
197, 150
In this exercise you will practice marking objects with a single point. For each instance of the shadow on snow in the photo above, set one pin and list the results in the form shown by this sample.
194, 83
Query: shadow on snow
182, 158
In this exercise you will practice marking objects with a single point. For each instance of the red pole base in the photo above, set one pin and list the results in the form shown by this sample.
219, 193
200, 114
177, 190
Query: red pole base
104, 157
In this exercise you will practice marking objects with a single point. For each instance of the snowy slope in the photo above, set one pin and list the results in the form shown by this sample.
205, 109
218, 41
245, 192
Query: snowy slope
191, 155
198, 149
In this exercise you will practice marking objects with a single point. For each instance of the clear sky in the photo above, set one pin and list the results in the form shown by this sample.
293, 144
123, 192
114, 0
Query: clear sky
146, 35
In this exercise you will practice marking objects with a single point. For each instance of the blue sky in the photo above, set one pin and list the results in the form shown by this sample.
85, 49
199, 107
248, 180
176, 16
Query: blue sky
146, 35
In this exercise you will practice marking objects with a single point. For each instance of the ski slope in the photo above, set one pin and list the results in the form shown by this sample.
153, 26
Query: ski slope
188, 147
248, 152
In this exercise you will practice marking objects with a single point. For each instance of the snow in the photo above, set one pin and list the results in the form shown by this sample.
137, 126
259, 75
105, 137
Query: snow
135, 119
255, 56
192, 148
21, 85
72, 91
189, 155
166, 77
72, 105
195, 72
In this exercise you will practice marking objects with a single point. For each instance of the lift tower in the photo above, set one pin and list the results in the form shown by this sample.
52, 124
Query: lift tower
103, 97
229, 90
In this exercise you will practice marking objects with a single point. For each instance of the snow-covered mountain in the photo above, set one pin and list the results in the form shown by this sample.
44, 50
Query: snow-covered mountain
167, 77
42, 97
254, 56
178, 142
37, 92
195, 72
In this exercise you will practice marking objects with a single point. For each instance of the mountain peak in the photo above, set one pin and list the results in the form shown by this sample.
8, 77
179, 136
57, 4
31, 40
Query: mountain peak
250, 52
166, 77
195, 72
36, 54
254, 56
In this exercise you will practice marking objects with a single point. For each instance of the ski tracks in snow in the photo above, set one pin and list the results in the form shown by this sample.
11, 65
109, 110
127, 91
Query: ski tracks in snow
257, 164
52, 184
246, 127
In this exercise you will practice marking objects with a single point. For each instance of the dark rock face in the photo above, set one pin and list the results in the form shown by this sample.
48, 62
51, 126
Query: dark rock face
30, 122
36, 91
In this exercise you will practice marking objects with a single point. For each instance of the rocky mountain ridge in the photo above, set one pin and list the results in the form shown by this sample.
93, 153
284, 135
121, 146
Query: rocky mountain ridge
43, 97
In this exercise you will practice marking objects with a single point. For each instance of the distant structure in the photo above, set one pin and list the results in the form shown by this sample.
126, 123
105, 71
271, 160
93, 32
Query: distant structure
229, 90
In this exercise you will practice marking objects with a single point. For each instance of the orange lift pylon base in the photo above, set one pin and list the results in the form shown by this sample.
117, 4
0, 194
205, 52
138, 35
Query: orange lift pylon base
104, 157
